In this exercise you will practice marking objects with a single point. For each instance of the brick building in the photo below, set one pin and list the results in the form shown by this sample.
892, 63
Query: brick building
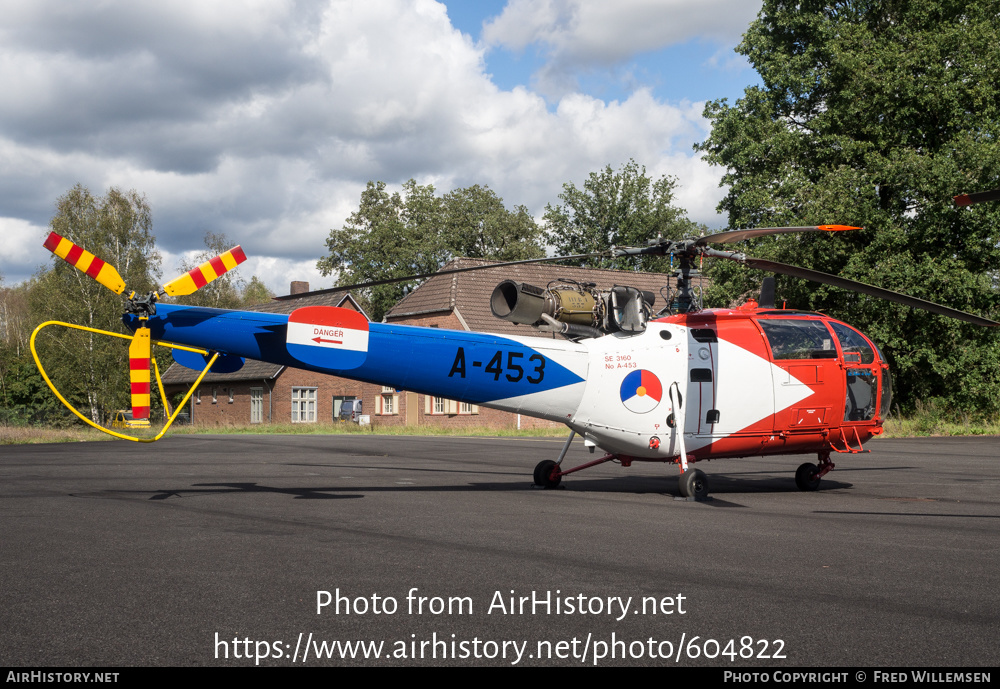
268, 393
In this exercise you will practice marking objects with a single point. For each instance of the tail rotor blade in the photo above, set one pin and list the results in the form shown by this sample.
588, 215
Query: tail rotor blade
196, 278
138, 364
86, 262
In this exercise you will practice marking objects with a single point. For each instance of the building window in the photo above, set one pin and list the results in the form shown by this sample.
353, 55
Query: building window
256, 405
440, 405
230, 395
467, 408
197, 397
215, 395
388, 404
303, 405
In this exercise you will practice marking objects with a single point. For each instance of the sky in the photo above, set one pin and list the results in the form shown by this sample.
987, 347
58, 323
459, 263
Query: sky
265, 119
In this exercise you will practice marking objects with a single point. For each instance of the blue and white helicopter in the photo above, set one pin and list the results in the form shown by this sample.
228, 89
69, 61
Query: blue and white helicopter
685, 385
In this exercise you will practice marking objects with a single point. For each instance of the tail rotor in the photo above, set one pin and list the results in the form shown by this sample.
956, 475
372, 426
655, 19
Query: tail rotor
143, 306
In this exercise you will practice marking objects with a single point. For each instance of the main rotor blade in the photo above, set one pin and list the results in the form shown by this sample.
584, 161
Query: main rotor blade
451, 271
85, 262
740, 235
978, 197
210, 270
871, 290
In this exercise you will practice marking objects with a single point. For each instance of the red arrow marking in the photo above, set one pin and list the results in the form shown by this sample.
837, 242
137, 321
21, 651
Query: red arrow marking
321, 340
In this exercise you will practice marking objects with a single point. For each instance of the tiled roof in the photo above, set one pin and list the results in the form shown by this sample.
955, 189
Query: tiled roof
469, 293
252, 370
289, 305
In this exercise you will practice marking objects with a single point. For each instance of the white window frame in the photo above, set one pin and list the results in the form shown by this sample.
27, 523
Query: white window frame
302, 410
387, 405
257, 404
440, 406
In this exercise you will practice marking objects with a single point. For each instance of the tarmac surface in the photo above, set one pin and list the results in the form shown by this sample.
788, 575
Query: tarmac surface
204, 550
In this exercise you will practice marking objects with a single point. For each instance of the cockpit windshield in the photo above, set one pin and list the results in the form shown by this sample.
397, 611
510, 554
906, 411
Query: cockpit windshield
796, 338
855, 347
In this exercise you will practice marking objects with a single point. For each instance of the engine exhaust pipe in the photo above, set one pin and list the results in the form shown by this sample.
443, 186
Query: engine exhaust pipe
518, 302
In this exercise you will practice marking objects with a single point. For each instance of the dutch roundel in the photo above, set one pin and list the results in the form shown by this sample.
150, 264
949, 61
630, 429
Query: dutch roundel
641, 391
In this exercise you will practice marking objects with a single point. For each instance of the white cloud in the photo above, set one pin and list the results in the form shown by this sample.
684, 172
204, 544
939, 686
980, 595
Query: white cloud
22, 251
265, 120
577, 35
606, 32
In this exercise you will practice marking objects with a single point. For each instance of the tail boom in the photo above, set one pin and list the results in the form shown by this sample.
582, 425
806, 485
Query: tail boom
534, 376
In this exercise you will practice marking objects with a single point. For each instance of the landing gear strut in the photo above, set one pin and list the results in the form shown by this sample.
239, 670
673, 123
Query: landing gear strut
807, 476
694, 484
547, 474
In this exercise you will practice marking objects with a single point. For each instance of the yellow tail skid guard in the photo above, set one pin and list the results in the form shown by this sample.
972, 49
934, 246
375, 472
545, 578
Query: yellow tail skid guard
159, 382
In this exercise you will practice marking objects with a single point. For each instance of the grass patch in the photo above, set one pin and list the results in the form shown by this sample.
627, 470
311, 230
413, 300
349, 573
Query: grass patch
934, 418
917, 426
31, 435
354, 429
26, 435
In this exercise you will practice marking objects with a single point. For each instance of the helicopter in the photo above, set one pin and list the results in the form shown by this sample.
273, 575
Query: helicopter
678, 386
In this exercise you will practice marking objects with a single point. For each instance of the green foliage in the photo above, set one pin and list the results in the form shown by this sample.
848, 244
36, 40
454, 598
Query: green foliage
616, 208
255, 292
397, 235
24, 397
90, 369
875, 114
476, 224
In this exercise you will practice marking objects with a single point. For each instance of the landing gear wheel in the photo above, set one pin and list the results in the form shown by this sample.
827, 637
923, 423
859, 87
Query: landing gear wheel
543, 474
806, 478
694, 484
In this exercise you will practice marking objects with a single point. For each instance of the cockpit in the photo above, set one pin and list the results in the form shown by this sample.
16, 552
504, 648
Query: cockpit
866, 378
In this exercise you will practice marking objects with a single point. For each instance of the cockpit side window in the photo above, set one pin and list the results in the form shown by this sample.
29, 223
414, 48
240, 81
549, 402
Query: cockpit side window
856, 349
798, 338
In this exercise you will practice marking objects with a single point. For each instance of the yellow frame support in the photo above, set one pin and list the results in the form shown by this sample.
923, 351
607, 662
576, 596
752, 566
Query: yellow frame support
159, 382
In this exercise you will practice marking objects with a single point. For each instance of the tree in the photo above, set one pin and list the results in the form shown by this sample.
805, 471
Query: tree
91, 369
616, 208
476, 224
24, 397
255, 292
416, 232
875, 114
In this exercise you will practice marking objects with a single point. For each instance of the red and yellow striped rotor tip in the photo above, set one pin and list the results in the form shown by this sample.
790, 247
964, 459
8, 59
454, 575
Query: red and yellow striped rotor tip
86, 262
196, 278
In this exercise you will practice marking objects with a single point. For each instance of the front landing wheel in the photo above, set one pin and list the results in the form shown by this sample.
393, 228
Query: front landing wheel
806, 476
543, 474
694, 484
